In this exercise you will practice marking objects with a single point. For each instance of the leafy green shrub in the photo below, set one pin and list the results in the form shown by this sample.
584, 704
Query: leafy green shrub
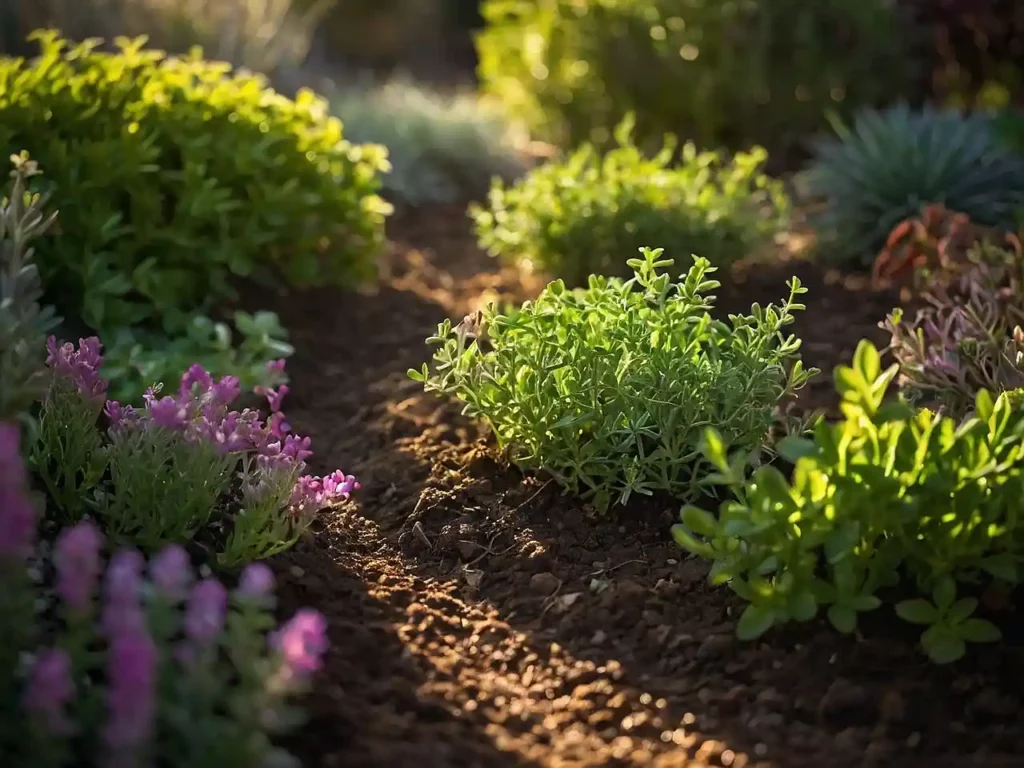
726, 74
134, 362
173, 176
890, 164
888, 494
608, 388
441, 149
574, 217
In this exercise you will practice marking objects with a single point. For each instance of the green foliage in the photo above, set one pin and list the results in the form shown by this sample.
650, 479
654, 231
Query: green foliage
24, 324
727, 74
890, 164
162, 488
135, 361
575, 217
441, 149
174, 176
1009, 126
887, 494
609, 388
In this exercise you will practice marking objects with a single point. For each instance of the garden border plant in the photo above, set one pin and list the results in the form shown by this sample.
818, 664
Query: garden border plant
576, 216
607, 388
887, 496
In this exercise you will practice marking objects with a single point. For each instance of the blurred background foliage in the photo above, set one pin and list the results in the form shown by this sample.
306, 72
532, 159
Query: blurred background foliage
963, 52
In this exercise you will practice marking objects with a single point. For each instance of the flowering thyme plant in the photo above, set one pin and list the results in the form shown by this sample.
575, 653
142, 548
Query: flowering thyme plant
184, 467
608, 388
888, 495
144, 669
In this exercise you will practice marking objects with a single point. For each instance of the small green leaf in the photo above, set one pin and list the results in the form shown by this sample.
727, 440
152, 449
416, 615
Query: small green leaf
685, 540
698, 520
793, 448
917, 611
865, 603
755, 621
803, 606
713, 448
842, 618
944, 593
867, 360
1002, 566
983, 404
961, 610
942, 645
979, 631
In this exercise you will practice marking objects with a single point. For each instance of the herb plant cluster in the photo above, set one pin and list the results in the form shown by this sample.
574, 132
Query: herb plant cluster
888, 495
576, 217
608, 388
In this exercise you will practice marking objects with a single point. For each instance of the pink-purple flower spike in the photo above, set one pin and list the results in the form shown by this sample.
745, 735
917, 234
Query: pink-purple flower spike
80, 367
49, 689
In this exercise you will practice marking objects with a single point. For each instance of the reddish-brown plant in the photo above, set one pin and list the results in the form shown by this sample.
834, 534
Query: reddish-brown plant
939, 246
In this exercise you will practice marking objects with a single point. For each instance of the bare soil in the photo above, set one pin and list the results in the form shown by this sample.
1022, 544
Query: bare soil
480, 618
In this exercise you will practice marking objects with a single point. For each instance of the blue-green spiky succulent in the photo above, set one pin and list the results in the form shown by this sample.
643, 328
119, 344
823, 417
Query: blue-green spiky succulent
889, 164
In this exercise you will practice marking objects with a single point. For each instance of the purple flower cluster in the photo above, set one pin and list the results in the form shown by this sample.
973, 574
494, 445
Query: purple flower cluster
78, 367
133, 658
200, 412
17, 513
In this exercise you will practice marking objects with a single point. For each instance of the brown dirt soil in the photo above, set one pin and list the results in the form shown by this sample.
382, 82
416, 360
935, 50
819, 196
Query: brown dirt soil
479, 618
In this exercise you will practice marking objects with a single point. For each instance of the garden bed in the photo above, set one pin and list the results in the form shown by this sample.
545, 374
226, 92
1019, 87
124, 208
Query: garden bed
478, 618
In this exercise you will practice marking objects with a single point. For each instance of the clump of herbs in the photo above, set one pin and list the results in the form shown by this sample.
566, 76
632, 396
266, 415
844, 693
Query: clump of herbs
609, 388
887, 495
575, 217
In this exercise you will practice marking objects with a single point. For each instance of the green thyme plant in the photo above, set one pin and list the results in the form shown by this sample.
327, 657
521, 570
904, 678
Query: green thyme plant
24, 323
888, 495
576, 217
608, 388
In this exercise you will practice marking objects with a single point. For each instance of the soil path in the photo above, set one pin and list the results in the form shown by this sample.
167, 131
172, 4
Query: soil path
479, 618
